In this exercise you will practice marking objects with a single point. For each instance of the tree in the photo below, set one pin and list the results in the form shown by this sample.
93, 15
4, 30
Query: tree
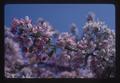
91, 56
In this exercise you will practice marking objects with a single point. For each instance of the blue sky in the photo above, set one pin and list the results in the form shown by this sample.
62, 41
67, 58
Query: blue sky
61, 15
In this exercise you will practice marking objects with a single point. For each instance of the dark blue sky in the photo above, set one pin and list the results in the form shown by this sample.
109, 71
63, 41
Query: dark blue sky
61, 15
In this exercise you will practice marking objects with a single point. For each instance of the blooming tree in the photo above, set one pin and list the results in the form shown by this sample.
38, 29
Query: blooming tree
32, 50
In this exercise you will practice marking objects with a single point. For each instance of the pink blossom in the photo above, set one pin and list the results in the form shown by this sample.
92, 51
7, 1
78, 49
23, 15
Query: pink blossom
22, 21
34, 51
27, 20
15, 22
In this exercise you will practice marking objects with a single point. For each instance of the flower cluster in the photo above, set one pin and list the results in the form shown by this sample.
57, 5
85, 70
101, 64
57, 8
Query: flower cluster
39, 51
65, 39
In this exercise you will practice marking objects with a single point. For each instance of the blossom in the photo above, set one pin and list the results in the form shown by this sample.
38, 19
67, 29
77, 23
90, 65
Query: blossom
67, 74
86, 73
27, 20
47, 74
15, 22
8, 33
40, 51
44, 58
12, 56
91, 16
27, 72
66, 39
